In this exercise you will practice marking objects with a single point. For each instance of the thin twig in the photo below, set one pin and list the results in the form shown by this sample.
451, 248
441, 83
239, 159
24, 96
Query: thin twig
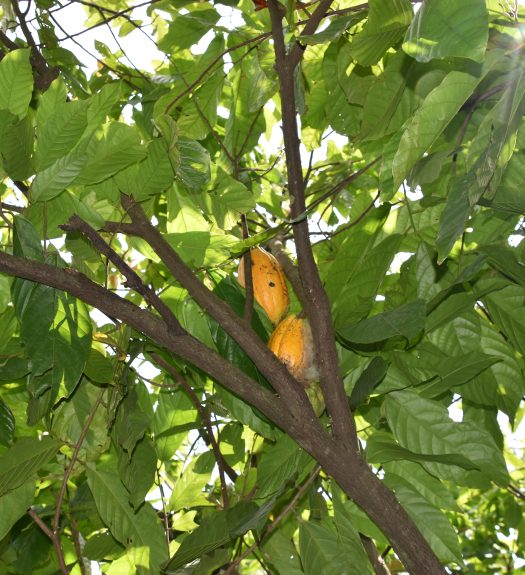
274, 524
54, 539
205, 417
74, 457
248, 278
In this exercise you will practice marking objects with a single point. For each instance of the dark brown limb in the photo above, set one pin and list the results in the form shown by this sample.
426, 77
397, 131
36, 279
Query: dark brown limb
318, 308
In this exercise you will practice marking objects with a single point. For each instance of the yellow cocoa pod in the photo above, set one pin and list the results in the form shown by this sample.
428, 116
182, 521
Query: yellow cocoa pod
269, 284
291, 342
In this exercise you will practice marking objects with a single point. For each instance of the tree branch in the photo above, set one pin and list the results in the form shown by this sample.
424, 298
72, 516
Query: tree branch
288, 388
54, 539
132, 279
318, 310
44, 73
205, 418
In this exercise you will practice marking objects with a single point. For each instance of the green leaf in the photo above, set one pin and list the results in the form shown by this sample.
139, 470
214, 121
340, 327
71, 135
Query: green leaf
432, 523
60, 133
16, 145
16, 82
444, 28
109, 150
282, 554
423, 426
336, 27
504, 260
173, 410
434, 491
381, 448
506, 309
187, 29
56, 178
431, 118
194, 167
216, 531
7, 424
189, 488
229, 199
368, 380
324, 551
407, 321
14, 505
21, 461
131, 421
387, 22
282, 463
141, 531
137, 472
358, 272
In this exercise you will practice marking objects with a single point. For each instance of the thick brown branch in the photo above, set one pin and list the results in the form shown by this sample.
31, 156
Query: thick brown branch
184, 346
275, 372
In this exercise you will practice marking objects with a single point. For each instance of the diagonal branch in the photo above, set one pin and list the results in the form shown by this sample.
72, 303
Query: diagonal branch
76, 223
205, 418
288, 388
44, 73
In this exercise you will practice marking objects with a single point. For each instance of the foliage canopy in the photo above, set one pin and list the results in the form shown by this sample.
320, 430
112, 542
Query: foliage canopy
159, 435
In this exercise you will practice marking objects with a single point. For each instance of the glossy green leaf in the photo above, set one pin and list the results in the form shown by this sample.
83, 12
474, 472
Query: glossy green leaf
281, 464
431, 118
431, 34
406, 321
387, 22
23, 459
381, 448
324, 551
141, 531
434, 524
16, 82
423, 426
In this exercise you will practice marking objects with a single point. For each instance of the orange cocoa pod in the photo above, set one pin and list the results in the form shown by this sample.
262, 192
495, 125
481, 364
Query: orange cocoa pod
269, 284
292, 343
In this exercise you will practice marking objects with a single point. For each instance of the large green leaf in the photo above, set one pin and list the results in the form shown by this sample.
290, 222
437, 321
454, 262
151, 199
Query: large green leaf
108, 151
432, 523
423, 426
381, 448
406, 321
387, 22
187, 29
431, 118
14, 505
139, 530
21, 461
444, 28
60, 133
284, 462
324, 551
16, 82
